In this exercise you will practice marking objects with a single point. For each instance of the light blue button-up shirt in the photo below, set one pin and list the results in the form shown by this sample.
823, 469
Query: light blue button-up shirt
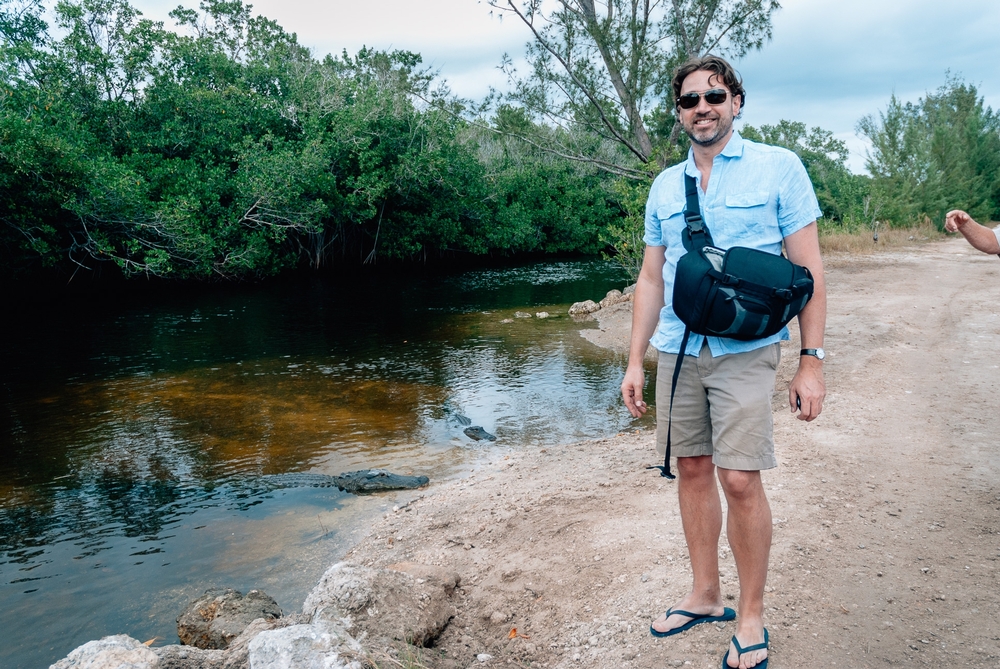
757, 195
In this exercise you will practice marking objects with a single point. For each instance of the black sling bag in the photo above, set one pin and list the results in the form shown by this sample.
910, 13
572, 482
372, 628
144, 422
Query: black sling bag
740, 293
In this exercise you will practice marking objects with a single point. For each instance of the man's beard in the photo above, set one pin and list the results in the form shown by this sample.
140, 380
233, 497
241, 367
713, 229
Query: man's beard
721, 132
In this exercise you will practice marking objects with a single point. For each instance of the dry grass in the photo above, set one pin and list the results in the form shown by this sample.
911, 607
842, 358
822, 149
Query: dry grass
862, 243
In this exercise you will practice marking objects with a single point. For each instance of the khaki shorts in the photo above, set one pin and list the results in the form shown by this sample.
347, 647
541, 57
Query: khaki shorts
722, 407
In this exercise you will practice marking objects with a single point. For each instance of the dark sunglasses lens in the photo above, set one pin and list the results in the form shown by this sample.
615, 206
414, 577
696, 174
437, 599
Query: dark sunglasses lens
689, 101
715, 97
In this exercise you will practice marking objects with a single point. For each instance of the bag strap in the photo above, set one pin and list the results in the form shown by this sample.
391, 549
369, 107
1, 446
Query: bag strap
665, 467
692, 218
798, 289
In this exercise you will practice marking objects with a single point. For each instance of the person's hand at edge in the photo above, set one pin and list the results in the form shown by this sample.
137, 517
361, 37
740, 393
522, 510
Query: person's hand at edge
955, 219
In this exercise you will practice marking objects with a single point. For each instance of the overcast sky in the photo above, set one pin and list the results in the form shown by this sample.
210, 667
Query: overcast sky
830, 62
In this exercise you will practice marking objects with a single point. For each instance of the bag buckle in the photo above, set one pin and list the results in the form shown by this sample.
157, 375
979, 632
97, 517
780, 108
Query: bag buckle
783, 293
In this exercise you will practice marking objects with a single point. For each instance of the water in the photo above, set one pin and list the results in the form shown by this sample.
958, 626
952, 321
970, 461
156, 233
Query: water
134, 430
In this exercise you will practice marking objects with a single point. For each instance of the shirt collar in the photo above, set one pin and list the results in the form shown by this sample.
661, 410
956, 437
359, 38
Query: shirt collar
733, 149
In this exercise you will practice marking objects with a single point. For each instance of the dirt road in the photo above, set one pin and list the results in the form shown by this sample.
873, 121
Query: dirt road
886, 508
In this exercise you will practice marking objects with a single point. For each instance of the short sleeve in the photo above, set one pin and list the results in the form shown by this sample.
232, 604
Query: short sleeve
654, 231
797, 204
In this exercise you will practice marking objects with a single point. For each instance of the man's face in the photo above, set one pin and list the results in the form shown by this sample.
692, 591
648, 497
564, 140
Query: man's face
705, 124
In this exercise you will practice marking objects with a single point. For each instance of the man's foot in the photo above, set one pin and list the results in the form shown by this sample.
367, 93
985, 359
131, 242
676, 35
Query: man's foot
751, 654
683, 617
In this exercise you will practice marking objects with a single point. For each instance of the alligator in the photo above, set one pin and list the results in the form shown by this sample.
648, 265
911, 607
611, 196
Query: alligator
477, 433
363, 481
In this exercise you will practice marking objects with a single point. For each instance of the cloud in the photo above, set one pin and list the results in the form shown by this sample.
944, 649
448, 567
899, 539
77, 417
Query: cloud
833, 62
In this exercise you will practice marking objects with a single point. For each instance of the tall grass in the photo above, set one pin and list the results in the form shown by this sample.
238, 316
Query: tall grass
862, 240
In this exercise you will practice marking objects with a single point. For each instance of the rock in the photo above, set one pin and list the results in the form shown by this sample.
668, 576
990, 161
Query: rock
507, 320
477, 433
583, 308
613, 297
408, 602
236, 656
112, 652
629, 290
522, 314
542, 314
484, 657
221, 615
189, 657
321, 645
378, 480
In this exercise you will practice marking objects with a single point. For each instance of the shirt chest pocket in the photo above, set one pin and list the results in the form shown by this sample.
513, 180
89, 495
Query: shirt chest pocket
671, 218
745, 212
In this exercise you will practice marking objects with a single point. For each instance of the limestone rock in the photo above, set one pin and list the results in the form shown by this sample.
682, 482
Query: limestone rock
221, 615
408, 602
583, 308
522, 314
236, 656
613, 297
112, 652
189, 657
320, 645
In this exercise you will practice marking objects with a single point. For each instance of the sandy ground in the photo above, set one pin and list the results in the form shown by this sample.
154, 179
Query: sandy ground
886, 508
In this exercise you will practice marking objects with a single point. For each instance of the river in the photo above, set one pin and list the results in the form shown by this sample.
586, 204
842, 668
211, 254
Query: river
135, 427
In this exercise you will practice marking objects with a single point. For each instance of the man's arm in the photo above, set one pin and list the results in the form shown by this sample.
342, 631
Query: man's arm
646, 305
807, 389
981, 237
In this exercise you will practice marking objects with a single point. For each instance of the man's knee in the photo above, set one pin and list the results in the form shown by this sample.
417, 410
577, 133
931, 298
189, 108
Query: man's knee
697, 467
740, 484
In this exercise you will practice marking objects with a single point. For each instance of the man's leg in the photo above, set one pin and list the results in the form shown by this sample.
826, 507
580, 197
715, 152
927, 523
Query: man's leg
701, 516
748, 528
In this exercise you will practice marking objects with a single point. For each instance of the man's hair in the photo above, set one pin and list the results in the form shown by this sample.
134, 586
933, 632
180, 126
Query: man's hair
721, 69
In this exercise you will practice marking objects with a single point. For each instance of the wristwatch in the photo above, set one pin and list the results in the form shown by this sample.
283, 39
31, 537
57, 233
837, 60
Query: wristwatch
817, 353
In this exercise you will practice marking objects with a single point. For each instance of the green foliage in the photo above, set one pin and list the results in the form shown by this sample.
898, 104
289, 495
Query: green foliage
940, 153
844, 198
625, 236
227, 150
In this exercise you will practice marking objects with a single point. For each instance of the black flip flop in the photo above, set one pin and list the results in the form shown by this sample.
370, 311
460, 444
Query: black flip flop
740, 651
696, 619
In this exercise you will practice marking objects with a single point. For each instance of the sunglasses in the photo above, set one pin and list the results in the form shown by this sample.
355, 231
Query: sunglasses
716, 96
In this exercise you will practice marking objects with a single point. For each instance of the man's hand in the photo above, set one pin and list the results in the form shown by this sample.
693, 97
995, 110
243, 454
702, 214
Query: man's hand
807, 389
635, 378
955, 219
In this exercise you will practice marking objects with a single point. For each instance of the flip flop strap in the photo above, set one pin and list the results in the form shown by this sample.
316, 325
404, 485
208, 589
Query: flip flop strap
757, 646
693, 616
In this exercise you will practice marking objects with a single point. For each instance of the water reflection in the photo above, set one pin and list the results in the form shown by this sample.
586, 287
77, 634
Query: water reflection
135, 430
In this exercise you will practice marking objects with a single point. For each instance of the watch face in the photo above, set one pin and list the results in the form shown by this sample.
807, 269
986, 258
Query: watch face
821, 354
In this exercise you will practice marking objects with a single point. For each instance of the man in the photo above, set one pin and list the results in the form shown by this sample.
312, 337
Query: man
982, 238
751, 195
